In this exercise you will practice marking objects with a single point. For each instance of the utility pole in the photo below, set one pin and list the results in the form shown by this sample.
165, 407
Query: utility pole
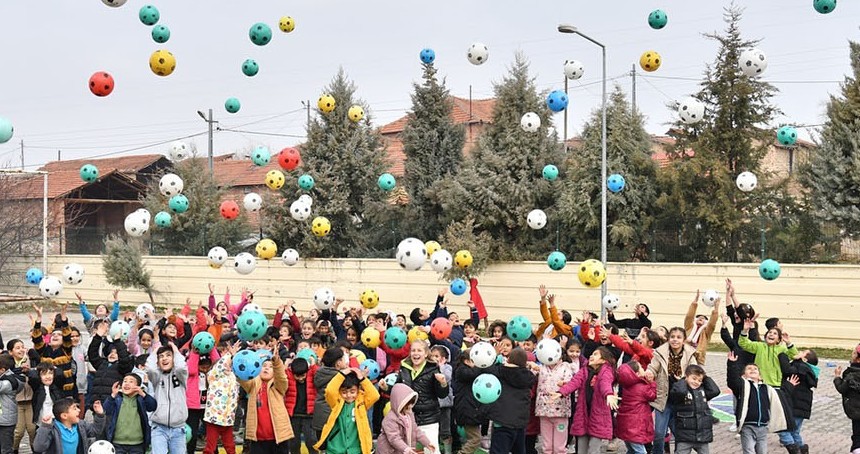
307, 105
633, 77
564, 142
22, 154
211, 122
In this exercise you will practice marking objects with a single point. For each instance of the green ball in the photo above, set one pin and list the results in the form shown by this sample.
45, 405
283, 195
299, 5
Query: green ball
769, 269
519, 328
657, 19
160, 34
395, 337
550, 172
252, 325
6, 130
189, 434
232, 105
203, 342
89, 173
261, 156
787, 135
306, 182
386, 182
149, 15
178, 203
250, 68
556, 261
260, 34
824, 6
163, 219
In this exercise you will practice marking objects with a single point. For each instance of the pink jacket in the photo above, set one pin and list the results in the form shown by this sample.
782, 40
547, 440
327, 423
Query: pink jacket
597, 420
192, 389
548, 379
633, 422
400, 431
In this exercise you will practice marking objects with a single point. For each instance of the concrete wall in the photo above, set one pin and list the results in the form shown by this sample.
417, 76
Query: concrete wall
817, 303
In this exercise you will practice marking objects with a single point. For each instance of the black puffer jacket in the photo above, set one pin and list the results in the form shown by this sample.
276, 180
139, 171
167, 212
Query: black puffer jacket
801, 395
107, 373
512, 408
693, 421
428, 388
467, 412
39, 394
849, 386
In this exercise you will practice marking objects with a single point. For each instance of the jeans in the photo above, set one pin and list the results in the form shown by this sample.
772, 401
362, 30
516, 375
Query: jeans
792, 438
505, 440
129, 449
168, 439
754, 439
7, 436
302, 426
662, 422
687, 448
635, 448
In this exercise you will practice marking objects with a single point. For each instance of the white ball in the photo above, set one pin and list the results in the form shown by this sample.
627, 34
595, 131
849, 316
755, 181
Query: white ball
536, 219
179, 150
171, 185
710, 297
323, 298
611, 302
143, 311
290, 257
573, 69
114, 3
530, 122
73, 274
753, 62
252, 202
478, 54
747, 181
102, 446
307, 200
483, 355
143, 212
691, 110
119, 330
217, 256
548, 351
252, 307
441, 261
244, 263
411, 254
50, 287
300, 211
136, 225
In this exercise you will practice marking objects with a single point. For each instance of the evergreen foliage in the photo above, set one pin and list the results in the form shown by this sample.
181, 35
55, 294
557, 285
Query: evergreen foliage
122, 263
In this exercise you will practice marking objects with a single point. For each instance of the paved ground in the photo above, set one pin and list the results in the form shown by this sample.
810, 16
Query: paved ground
828, 432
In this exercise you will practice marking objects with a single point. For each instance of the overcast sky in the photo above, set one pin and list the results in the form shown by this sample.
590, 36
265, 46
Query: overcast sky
52, 48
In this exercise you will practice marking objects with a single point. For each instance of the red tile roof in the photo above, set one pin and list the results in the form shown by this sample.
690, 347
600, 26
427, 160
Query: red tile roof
242, 172
396, 156
60, 184
125, 164
480, 111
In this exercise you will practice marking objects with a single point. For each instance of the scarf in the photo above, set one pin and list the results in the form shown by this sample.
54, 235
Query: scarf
696, 332
674, 366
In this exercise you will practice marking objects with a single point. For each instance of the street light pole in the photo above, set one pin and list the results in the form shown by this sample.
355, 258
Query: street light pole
565, 28
211, 122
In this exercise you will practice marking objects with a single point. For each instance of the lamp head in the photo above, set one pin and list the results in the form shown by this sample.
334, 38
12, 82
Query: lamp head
202, 116
567, 28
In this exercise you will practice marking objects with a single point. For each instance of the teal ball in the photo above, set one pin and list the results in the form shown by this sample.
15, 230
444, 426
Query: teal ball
149, 15
250, 68
260, 34
306, 182
160, 33
89, 173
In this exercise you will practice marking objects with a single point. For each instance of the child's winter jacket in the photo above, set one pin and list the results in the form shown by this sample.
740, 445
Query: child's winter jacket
634, 423
693, 420
548, 379
223, 396
592, 416
400, 431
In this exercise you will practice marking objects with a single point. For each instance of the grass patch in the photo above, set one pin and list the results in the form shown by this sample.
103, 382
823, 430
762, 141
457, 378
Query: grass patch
842, 354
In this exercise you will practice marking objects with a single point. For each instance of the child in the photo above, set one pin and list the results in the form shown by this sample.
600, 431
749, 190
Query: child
767, 352
24, 397
9, 385
168, 373
58, 351
197, 391
333, 360
634, 423
299, 400
127, 424
760, 408
420, 317
700, 328
848, 384
510, 413
111, 367
694, 427
592, 419
440, 355
553, 413
668, 365
467, 412
349, 394
641, 311
399, 429
267, 422
101, 311
221, 403
805, 367
64, 431
45, 391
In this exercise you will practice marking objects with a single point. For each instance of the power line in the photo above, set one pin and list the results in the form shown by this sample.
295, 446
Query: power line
698, 79
261, 133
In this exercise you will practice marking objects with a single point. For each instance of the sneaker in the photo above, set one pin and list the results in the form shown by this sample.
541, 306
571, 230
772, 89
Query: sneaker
733, 427
571, 449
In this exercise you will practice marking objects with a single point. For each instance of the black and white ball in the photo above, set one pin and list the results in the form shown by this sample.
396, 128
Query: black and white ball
530, 122
179, 150
411, 254
753, 62
114, 4
252, 307
144, 213
50, 287
441, 261
244, 263
300, 211
483, 355
691, 110
217, 256
290, 257
548, 351
746, 181
611, 302
573, 69
710, 297
73, 274
252, 202
306, 199
102, 446
136, 224
323, 298
142, 312
478, 54
536, 219
170, 185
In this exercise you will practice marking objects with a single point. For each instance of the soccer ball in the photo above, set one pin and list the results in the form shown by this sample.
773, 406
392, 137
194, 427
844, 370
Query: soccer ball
483, 355
287, 24
536, 219
300, 211
548, 351
710, 297
254, 307
119, 330
247, 365
556, 260
50, 287
170, 185
753, 62
787, 135
691, 110
73, 274
591, 273
261, 156
746, 181
530, 122
486, 388
323, 298
463, 259
441, 261
136, 225
290, 257
611, 302
573, 69
519, 328
217, 256
478, 54
252, 202
142, 311
104, 446
179, 150
411, 254
244, 263
114, 4
203, 342
369, 299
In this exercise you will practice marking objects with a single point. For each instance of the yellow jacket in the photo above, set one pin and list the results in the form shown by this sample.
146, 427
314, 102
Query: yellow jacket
367, 396
276, 388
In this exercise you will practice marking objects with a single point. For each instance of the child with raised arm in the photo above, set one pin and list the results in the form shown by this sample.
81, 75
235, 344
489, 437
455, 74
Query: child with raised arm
101, 311
59, 349
168, 373
267, 421
700, 328
65, 432
767, 352
694, 428
221, 403
126, 411
350, 395
848, 385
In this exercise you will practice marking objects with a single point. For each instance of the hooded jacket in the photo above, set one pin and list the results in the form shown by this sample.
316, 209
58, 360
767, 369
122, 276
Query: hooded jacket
145, 404
801, 395
512, 409
223, 397
467, 412
428, 388
634, 423
693, 422
367, 396
107, 373
400, 431
169, 387
548, 379
10, 383
595, 421
321, 379
849, 386
49, 440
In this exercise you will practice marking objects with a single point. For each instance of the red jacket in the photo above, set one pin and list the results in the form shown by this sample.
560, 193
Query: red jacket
634, 423
640, 353
394, 356
290, 396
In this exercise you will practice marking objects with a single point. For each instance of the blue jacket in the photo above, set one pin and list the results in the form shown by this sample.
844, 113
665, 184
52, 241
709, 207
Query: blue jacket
144, 405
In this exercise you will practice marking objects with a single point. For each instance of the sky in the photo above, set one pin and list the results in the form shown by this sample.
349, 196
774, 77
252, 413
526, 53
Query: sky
52, 48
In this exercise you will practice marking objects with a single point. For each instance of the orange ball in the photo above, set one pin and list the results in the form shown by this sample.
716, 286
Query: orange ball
289, 158
229, 209
440, 328
101, 83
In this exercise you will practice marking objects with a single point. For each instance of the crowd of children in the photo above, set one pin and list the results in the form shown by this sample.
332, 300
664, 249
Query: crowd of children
618, 380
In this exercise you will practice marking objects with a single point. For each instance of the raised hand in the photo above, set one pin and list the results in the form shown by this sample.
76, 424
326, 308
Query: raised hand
440, 378
732, 356
80, 298
749, 324
725, 318
698, 294
211, 289
443, 291
97, 408
551, 299
794, 380
837, 372
114, 389
542, 291
63, 315
116, 295
38, 310
786, 338
337, 302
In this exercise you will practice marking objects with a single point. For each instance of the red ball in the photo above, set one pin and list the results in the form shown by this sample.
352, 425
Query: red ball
440, 328
229, 209
101, 83
289, 158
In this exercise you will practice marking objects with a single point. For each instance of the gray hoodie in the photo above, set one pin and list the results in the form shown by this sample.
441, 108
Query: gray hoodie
321, 409
448, 372
9, 386
172, 409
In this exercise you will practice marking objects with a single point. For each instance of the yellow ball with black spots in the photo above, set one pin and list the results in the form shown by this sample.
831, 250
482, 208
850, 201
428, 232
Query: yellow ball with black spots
416, 333
371, 338
266, 249
162, 63
463, 259
320, 226
326, 103
275, 180
287, 24
356, 113
369, 299
431, 247
591, 273
650, 61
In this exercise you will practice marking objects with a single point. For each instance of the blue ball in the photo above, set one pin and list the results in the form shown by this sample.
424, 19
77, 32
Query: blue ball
34, 276
370, 368
486, 388
163, 219
769, 269
308, 355
557, 101
247, 364
556, 261
428, 56
615, 183
458, 286
550, 172
261, 156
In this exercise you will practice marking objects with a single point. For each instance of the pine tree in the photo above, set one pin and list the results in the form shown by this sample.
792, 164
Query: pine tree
701, 202
832, 174
123, 265
500, 182
202, 226
433, 145
630, 213
345, 158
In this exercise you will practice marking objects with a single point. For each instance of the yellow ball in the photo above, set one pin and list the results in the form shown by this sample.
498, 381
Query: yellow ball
650, 61
356, 113
358, 355
287, 24
266, 249
431, 247
371, 338
326, 103
369, 299
162, 62
591, 273
463, 259
321, 226
415, 334
275, 179
386, 408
